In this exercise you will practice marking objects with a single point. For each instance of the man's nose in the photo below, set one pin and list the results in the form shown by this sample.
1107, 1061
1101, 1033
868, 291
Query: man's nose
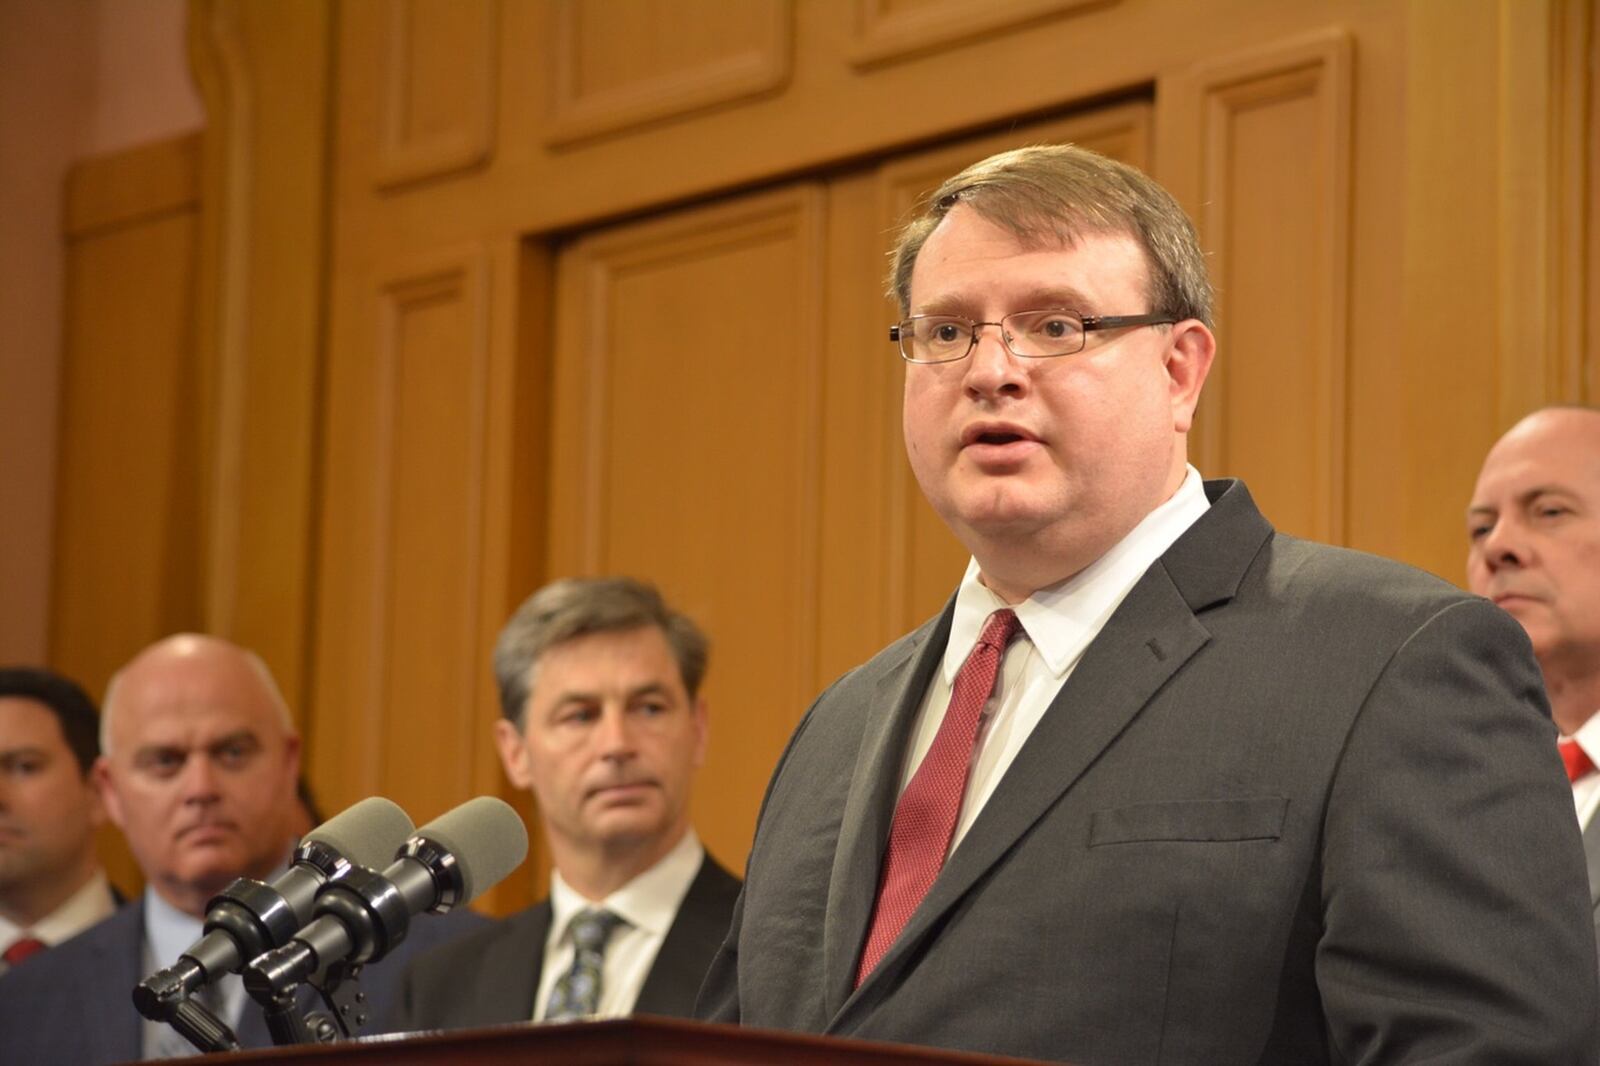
1503, 545
615, 734
991, 368
199, 779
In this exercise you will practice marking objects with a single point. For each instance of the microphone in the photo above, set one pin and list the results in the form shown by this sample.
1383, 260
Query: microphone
363, 915
249, 918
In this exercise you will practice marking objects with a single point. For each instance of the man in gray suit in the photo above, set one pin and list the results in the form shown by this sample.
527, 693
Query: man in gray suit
1533, 530
605, 725
1160, 784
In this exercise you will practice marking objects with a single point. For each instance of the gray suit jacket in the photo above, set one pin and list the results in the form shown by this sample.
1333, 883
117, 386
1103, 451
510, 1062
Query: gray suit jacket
74, 1003
492, 976
1591, 851
1294, 805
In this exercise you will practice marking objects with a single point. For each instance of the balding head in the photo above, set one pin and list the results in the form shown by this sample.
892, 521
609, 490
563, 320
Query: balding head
199, 766
159, 658
1534, 545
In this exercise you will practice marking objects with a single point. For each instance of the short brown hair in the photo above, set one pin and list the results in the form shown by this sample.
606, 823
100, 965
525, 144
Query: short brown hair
1060, 192
574, 607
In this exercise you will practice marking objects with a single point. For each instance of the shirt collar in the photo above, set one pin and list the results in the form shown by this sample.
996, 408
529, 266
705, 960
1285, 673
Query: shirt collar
1063, 618
1588, 737
83, 908
649, 902
168, 931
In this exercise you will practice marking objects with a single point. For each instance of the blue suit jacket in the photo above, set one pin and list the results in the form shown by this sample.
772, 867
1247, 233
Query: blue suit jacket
74, 1003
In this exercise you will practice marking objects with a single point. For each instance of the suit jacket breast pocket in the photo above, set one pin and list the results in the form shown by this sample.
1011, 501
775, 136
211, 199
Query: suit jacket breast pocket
1198, 821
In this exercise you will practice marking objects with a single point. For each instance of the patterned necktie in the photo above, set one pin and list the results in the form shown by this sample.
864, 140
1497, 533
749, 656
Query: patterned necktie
1576, 759
925, 817
577, 993
23, 947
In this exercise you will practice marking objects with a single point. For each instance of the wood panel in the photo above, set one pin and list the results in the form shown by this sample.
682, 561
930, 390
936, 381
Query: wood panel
923, 561
128, 495
621, 65
439, 84
1260, 144
129, 515
403, 543
894, 29
686, 437
1492, 137
262, 71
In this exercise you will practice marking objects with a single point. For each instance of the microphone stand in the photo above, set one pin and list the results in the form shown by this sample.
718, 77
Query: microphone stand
372, 906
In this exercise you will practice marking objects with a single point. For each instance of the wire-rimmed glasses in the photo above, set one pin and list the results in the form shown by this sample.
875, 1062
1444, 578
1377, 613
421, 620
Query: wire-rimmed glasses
1028, 334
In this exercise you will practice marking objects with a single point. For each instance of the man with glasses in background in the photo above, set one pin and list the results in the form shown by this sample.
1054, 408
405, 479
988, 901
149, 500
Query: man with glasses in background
1160, 784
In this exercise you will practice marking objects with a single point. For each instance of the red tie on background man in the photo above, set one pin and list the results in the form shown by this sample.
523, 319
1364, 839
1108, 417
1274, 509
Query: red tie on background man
1576, 759
925, 817
22, 948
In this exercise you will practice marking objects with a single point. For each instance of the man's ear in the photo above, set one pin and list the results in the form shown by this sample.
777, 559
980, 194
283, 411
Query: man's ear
508, 740
100, 776
1190, 349
702, 729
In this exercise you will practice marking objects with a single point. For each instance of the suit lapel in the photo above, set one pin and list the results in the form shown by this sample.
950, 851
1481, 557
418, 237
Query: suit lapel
122, 957
869, 805
119, 1036
1147, 640
1591, 851
692, 940
514, 965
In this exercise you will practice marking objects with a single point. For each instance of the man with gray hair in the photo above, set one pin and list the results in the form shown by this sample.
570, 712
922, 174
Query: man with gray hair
603, 722
1160, 784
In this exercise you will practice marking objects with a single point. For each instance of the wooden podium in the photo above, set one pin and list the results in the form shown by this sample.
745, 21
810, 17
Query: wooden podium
624, 1042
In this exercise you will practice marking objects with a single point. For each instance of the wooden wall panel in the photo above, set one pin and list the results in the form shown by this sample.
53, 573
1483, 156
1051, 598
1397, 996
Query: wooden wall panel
439, 85
923, 561
894, 29
1269, 188
264, 74
129, 513
621, 65
128, 524
686, 419
402, 544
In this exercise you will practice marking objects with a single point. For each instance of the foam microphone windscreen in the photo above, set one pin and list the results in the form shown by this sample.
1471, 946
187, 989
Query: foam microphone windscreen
366, 833
487, 839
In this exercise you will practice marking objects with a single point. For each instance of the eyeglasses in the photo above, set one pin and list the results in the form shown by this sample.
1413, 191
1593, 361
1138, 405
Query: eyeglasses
1029, 334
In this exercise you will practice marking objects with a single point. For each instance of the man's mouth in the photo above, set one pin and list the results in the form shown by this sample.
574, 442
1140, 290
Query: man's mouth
621, 790
206, 832
995, 434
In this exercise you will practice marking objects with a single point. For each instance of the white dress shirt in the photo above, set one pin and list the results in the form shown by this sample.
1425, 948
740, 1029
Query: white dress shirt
1059, 622
79, 911
647, 906
1586, 789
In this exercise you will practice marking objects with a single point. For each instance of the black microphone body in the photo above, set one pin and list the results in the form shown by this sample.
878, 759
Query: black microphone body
249, 918
363, 916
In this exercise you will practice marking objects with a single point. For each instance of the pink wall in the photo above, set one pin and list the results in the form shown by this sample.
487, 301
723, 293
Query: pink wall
77, 78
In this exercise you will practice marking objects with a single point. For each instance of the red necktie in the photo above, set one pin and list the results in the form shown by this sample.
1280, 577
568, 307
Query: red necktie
23, 948
925, 818
1577, 760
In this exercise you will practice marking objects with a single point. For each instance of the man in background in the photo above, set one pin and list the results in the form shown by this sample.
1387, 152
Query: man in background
198, 768
51, 884
1533, 532
605, 725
